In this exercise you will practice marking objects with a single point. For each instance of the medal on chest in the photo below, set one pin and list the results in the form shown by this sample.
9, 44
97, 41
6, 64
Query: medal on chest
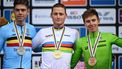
57, 53
92, 60
21, 49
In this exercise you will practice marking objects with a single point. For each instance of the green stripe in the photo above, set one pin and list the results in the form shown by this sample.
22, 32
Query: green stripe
52, 50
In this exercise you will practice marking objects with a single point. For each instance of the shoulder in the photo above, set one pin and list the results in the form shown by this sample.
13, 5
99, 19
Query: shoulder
108, 34
29, 25
7, 27
45, 30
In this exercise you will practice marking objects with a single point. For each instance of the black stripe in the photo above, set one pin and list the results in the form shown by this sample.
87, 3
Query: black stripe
102, 45
102, 41
14, 38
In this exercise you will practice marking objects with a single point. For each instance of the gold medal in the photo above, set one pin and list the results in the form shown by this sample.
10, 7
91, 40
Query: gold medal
21, 50
92, 61
57, 54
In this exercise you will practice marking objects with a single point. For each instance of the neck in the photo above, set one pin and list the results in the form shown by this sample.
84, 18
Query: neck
93, 34
21, 23
58, 26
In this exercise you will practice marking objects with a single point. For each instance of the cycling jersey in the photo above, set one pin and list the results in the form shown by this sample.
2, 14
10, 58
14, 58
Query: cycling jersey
45, 39
103, 51
9, 44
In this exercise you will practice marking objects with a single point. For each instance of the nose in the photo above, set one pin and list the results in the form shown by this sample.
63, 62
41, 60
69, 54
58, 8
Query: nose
58, 15
20, 11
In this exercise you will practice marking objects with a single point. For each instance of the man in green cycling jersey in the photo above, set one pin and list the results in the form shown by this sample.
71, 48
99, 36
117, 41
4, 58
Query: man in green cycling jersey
96, 47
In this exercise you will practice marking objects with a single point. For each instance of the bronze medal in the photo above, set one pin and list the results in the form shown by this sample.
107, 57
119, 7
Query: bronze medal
92, 61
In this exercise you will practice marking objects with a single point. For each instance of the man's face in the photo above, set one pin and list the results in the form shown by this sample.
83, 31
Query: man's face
91, 23
58, 16
21, 12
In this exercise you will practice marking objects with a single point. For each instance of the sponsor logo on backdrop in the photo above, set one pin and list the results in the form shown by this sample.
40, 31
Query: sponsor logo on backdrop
102, 2
108, 16
120, 16
74, 16
74, 2
41, 16
8, 3
44, 2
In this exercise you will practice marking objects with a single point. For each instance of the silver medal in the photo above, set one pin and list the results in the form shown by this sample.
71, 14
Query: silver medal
21, 50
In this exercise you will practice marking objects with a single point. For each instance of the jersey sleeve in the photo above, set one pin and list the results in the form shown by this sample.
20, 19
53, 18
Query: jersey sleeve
77, 54
116, 40
2, 38
36, 42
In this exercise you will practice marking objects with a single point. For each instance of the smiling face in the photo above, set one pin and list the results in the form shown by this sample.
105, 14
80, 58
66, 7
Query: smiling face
91, 20
21, 12
91, 23
58, 16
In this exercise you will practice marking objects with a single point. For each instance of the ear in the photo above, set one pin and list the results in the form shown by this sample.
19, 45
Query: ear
13, 10
98, 20
66, 16
28, 10
51, 15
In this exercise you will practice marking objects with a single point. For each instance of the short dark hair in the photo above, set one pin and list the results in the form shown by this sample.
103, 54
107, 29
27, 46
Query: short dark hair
58, 5
24, 2
89, 12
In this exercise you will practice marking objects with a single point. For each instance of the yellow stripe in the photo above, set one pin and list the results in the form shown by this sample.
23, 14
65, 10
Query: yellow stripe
67, 50
62, 48
16, 41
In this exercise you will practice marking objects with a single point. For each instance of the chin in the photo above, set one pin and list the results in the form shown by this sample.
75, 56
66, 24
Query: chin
92, 31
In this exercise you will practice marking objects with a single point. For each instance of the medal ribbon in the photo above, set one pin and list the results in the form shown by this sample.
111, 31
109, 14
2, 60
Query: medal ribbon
93, 50
58, 45
21, 40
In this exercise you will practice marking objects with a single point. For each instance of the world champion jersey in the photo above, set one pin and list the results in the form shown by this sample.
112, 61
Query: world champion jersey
9, 44
103, 53
45, 39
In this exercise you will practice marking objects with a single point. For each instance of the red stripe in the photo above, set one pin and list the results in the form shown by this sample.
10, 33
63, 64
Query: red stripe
67, 45
63, 45
17, 44
49, 45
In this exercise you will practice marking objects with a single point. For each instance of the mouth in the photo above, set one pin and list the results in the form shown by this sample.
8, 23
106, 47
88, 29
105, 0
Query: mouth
20, 17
